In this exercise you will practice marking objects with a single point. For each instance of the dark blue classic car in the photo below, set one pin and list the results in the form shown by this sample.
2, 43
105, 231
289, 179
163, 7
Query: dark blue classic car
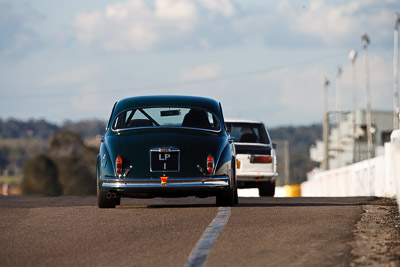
166, 146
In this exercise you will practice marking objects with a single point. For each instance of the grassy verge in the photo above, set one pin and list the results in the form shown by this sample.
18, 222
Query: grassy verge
8, 179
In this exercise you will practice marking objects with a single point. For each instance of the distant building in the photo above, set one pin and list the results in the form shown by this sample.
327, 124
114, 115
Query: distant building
348, 138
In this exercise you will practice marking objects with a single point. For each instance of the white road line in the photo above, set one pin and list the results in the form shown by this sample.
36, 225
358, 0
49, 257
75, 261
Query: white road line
199, 254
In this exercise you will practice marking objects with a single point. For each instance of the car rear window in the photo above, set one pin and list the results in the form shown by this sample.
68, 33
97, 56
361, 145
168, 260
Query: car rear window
248, 133
166, 117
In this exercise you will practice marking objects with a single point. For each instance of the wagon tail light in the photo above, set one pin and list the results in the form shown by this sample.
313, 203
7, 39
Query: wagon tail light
118, 165
210, 164
260, 159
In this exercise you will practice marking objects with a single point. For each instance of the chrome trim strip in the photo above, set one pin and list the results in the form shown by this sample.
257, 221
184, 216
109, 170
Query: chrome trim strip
165, 149
159, 185
165, 127
187, 182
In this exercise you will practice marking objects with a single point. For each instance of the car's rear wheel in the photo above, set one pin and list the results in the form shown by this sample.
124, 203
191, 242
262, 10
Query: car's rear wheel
228, 198
103, 201
236, 198
267, 189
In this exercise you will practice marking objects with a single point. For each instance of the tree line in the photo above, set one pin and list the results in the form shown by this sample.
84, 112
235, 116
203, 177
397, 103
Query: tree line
61, 149
13, 128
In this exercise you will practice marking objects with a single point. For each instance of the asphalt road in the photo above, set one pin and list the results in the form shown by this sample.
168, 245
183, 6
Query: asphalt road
72, 231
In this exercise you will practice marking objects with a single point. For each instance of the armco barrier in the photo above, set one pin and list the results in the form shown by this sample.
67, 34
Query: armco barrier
379, 176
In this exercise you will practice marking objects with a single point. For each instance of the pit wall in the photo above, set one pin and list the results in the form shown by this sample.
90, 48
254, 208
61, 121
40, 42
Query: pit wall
379, 177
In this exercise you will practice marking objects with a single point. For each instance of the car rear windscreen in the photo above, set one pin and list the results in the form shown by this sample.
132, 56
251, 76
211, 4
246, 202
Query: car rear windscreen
166, 117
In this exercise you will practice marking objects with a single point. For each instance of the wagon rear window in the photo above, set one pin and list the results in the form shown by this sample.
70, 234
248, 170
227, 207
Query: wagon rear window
166, 117
248, 133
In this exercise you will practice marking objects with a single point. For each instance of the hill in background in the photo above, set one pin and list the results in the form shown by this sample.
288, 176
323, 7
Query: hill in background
14, 129
300, 139
21, 140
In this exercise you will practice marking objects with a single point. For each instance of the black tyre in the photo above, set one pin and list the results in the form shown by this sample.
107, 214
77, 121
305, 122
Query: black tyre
117, 201
267, 189
102, 201
227, 198
236, 197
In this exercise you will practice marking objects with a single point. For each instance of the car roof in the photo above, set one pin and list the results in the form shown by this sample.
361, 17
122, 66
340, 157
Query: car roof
176, 100
243, 121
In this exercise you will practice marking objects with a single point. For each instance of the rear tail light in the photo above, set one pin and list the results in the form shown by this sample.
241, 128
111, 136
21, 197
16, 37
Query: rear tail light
260, 159
118, 165
210, 164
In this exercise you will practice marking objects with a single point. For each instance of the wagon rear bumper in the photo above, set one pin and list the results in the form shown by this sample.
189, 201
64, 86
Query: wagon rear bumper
251, 176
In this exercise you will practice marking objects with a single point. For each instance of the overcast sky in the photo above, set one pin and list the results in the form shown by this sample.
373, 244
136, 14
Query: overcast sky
261, 59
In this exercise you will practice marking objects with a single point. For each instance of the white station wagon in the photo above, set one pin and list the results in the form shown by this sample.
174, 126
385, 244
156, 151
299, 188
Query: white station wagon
256, 158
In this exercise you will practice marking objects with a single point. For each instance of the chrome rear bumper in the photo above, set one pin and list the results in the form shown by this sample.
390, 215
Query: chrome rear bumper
152, 183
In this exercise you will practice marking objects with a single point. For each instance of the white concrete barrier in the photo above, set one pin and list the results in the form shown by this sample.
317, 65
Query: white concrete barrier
392, 152
379, 176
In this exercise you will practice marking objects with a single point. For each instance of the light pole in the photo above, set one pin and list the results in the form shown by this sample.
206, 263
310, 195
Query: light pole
286, 159
338, 110
352, 57
325, 128
365, 40
338, 92
396, 72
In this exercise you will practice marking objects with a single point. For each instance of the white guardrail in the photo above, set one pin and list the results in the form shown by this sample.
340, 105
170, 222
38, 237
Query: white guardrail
379, 176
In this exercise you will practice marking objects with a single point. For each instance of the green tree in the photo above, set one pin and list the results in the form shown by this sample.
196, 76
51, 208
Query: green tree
41, 177
76, 163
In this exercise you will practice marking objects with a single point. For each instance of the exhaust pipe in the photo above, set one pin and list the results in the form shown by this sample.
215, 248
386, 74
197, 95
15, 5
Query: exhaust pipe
111, 195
